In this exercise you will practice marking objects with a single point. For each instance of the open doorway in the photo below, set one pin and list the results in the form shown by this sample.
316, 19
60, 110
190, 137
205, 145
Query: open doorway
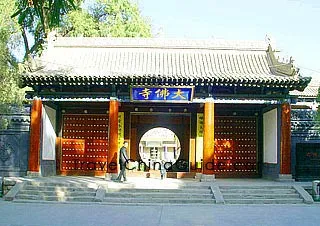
159, 144
156, 137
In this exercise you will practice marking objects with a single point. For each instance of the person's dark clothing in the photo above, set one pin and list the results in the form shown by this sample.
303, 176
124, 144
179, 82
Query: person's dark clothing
123, 159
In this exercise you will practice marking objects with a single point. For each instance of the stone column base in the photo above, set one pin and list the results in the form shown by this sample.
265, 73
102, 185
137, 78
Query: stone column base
207, 178
33, 174
285, 178
111, 176
198, 176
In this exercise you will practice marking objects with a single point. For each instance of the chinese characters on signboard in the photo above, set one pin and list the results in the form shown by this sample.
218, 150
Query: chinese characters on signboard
120, 128
174, 94
199, 139
199, 124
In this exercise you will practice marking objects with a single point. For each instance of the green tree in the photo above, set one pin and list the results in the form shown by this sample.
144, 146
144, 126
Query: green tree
106, 18
39, 17
10, 93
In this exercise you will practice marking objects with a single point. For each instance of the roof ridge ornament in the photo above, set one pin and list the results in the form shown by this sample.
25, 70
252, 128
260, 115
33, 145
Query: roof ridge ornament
284, 68
270, 41
31, 64
52, 37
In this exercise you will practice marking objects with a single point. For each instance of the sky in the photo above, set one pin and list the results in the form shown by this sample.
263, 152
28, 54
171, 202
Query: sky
293, 25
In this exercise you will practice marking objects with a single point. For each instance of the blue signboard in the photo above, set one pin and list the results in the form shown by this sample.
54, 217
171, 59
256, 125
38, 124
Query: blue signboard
158, 93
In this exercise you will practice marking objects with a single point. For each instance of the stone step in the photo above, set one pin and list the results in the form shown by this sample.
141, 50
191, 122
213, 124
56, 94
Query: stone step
159, 200
58, 188
53, 193
264, 201
258, 191
194, 187
55, 198
113, 204
145, 190
261, 196
59, 184
236, 187
157, 195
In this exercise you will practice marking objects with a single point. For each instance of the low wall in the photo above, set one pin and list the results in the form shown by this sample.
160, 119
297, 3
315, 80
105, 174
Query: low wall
305, 129
1, 188
8, 183
14, 144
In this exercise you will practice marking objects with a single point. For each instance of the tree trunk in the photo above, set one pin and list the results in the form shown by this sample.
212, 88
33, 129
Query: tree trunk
26, 43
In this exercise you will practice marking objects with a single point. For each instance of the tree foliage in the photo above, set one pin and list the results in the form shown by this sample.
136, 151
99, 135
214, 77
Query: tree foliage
106, 18
101, 18
39, 17
79, 23
10, 93
34, 19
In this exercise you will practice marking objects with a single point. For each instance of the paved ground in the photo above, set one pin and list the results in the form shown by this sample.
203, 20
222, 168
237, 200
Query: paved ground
26, 214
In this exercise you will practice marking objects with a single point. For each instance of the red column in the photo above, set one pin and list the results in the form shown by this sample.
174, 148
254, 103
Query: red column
113, 137
208, 138
285, 151
35, 136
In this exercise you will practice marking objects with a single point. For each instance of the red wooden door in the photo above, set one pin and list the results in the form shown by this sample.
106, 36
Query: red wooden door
236, 147
84, 144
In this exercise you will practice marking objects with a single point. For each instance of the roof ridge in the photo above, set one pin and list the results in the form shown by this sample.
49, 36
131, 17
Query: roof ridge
107, 42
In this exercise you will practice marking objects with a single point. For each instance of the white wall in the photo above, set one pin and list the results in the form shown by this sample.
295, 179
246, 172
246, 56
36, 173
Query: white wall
52, 115
48, 134
270, 136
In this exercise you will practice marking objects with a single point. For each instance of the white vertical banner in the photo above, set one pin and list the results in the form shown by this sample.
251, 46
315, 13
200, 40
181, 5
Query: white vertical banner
48, 138
270, 136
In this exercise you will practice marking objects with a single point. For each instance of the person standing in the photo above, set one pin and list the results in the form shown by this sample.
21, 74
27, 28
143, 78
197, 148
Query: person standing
163, 170
123, 160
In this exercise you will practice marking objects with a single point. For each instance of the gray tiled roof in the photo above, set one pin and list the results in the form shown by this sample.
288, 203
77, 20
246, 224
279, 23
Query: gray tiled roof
123, 60
311, 91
